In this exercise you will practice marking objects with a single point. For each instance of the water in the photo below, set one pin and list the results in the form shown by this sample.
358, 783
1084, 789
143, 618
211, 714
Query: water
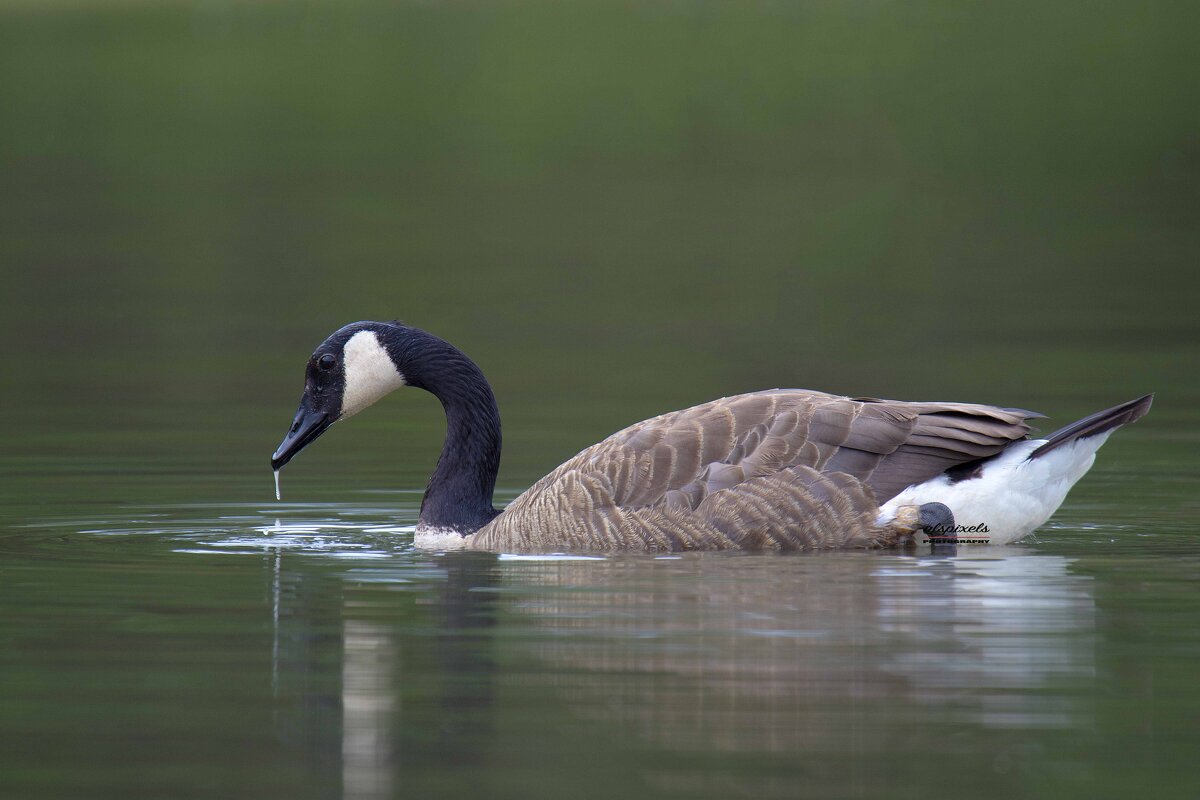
616, 210
307, 650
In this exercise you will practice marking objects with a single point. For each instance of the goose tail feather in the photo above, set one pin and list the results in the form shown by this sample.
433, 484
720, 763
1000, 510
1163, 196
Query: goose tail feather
1095, 424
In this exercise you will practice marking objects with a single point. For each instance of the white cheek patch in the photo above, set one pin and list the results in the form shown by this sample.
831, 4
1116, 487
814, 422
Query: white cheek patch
369, 372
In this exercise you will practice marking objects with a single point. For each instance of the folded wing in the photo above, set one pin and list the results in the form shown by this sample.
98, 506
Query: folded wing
737, 457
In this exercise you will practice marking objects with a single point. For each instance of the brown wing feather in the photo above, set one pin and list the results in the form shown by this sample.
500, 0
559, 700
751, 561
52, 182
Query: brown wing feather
714, 475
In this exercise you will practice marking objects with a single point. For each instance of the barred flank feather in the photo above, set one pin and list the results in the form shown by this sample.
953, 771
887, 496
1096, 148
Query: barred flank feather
781, 469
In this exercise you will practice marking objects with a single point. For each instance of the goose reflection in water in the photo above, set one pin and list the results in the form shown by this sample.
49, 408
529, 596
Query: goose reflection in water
404, 701
750, 654
831, 658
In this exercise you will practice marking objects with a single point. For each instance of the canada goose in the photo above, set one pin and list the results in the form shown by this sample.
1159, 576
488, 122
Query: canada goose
778, 469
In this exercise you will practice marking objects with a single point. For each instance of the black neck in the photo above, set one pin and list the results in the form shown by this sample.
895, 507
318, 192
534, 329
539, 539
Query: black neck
459, 494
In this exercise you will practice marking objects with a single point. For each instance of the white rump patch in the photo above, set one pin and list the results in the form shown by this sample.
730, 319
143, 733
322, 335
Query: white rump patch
369, 372
1013, 496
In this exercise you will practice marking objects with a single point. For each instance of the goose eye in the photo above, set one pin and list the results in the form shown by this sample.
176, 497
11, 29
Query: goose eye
326, 361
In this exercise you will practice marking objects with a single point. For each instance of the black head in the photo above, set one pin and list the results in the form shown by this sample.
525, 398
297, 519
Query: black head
349, 371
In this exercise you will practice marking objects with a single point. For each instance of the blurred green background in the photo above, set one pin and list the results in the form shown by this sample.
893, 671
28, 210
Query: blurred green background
616, 208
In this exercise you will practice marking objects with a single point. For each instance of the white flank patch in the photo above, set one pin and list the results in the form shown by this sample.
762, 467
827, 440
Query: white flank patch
369, 371
1014, 496
439, 539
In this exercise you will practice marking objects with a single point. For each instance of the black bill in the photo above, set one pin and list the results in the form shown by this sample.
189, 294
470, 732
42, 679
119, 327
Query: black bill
306, 427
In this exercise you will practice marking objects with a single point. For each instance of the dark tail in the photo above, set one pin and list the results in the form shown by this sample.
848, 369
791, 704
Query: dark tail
1096, 423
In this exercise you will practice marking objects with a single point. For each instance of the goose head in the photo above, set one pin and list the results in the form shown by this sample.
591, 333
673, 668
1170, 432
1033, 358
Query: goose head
354, 367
